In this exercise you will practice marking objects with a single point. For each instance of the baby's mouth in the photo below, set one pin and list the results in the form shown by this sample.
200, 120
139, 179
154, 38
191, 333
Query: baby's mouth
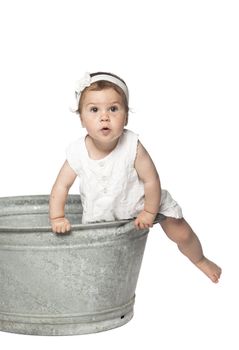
105, 130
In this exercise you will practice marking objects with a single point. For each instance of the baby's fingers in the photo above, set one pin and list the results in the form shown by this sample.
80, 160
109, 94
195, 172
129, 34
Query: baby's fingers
68, 227
61, 227
140, 225
64, 229
137, 224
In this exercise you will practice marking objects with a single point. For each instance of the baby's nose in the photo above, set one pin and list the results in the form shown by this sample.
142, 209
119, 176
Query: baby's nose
104, 116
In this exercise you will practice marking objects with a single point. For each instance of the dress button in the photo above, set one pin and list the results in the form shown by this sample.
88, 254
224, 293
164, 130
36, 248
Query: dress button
101, 164
104, 178
105, 190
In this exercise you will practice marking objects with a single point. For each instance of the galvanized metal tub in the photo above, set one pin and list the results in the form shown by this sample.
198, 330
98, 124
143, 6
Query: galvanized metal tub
77, 283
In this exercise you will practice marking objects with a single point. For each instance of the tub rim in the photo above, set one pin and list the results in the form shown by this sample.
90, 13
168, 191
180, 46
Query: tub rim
47, 228
76, 227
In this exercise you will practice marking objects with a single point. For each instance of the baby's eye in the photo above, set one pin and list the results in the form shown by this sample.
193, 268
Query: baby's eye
94, 109
113, 108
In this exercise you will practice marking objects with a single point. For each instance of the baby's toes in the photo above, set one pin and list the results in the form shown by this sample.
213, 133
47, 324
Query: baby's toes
216, 275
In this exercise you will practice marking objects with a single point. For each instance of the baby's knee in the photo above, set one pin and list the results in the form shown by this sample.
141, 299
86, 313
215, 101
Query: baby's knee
177, 229
176, 223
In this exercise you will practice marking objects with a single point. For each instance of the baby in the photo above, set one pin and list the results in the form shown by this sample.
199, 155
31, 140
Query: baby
118, 179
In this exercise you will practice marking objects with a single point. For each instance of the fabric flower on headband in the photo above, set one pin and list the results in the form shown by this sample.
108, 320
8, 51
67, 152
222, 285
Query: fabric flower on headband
82, 84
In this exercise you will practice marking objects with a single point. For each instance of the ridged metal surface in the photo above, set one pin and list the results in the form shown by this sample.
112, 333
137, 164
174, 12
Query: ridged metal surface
77, 283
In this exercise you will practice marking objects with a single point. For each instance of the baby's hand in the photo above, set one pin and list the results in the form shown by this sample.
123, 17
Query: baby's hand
144, 220
60, 225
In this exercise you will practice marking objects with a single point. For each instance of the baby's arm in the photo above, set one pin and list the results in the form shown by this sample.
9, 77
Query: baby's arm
58, 197
149, 176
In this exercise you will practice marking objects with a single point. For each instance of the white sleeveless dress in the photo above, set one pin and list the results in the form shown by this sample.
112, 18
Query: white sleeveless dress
110, 188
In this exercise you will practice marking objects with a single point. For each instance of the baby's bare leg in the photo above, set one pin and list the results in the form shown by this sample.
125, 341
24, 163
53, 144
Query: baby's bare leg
179, 231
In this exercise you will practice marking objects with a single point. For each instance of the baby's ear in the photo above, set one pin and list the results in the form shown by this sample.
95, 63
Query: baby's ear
126, 120
82, 122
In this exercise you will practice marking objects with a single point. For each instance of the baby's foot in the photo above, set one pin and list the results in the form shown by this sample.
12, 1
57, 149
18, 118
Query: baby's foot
210, 269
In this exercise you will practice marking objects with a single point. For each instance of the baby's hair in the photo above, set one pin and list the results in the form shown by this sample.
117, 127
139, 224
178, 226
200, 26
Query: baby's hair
104, 84
113, 75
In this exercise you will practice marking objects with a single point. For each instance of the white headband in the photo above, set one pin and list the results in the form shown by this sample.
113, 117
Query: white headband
87, 80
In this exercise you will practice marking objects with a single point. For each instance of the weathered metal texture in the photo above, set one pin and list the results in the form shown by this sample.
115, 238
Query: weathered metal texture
77, 283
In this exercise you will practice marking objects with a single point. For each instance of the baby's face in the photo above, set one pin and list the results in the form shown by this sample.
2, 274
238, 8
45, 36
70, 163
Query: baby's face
103, 115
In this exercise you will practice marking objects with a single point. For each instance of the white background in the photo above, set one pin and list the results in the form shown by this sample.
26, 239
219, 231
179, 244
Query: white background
180, 61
